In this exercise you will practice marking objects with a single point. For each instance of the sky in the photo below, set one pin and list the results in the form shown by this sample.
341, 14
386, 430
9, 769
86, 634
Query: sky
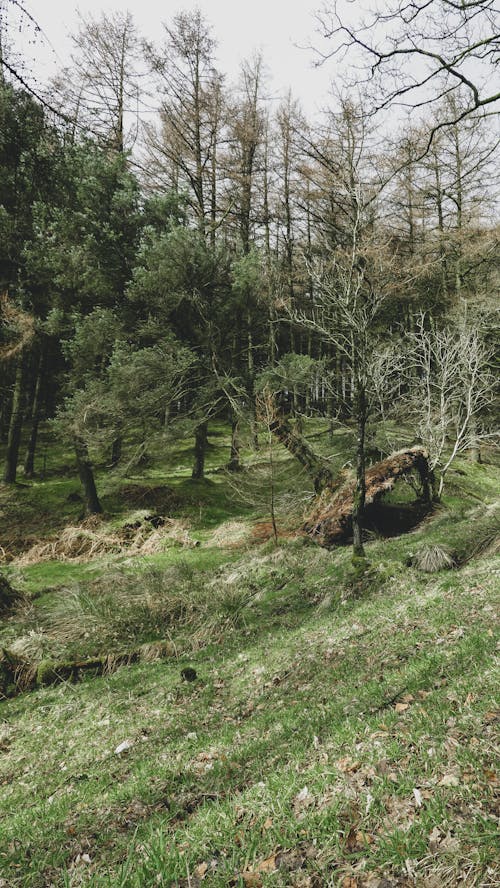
282, 29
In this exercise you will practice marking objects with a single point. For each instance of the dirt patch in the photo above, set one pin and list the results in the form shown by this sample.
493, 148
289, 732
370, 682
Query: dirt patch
263, 531
163, 499
390, 520
8, 596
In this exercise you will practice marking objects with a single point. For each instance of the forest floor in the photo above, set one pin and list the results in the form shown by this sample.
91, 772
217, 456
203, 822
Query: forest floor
342, 730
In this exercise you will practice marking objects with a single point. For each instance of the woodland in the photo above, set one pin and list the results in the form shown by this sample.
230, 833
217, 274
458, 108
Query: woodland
249, 526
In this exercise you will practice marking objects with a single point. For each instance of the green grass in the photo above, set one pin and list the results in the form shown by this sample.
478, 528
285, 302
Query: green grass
338, 733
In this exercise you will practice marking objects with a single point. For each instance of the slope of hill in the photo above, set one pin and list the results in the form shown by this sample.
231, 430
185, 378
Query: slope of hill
340, 729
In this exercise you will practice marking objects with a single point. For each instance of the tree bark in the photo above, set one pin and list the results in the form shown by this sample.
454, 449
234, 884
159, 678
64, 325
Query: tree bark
29, 462
299, 448
360, 491
200, 448
116, 451
15, 426
92, 504
234, 464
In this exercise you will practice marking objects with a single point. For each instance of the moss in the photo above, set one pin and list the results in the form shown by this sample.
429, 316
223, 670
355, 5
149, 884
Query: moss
359, 565
362, 578
46, 673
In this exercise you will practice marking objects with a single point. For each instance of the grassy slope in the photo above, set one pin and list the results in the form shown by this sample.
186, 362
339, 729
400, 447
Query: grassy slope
328, 739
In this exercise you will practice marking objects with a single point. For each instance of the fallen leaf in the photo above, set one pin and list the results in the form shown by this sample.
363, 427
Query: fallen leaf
401, 707
253, 876
351, 841
303, 799
449, 780
434, 839
267, 823
418, 798
266, 866
201, 870
253, 880
123, 747
349, 882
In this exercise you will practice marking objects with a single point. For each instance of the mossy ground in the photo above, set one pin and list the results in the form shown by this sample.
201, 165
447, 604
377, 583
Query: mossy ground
335, 735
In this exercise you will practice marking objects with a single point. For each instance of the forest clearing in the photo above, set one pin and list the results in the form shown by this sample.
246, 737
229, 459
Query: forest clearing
249, 495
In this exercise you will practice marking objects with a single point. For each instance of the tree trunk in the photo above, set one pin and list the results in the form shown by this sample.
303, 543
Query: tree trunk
475, 448
200, 448
15, 426
92, 504
29, 462
299, 448
234, 464
116, 451
360, 492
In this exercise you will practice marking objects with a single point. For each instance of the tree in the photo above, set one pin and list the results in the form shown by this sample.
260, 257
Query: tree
100, 89
415, 52
353, 283
185, 286
246, 141
182, 151
450, 385
30, 173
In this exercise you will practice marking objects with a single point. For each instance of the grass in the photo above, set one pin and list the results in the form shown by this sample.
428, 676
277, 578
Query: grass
338, 733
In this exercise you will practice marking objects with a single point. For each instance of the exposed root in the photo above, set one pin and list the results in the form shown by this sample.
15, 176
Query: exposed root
331, 521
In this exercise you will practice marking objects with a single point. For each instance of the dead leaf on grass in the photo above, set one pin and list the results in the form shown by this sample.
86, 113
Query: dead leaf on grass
449, 780
253, 875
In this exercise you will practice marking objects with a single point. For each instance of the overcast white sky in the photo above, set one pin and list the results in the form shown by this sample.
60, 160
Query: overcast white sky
277, 27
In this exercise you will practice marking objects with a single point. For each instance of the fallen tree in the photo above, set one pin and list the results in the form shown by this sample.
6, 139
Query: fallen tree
315, 465
331, 520
18, 674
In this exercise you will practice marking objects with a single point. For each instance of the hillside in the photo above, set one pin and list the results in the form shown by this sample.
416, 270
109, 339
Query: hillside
340, 728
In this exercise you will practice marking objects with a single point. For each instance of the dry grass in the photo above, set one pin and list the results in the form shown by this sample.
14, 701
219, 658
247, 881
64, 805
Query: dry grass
432, 559
230, 533
92, 539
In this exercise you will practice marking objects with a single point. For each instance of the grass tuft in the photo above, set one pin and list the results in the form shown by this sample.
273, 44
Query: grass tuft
432, 559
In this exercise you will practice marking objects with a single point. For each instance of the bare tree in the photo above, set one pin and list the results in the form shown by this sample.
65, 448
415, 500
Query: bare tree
450, 386
415, 52
181, 153
346, 308
101, 87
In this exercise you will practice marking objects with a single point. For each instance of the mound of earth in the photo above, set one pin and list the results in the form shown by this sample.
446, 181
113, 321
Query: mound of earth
162, 499
8, 595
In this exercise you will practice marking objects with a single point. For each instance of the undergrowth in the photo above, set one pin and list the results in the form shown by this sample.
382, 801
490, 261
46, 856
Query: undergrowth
340, 728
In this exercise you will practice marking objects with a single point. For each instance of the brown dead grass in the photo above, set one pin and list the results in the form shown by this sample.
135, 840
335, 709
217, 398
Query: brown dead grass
93, 539
230, 534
